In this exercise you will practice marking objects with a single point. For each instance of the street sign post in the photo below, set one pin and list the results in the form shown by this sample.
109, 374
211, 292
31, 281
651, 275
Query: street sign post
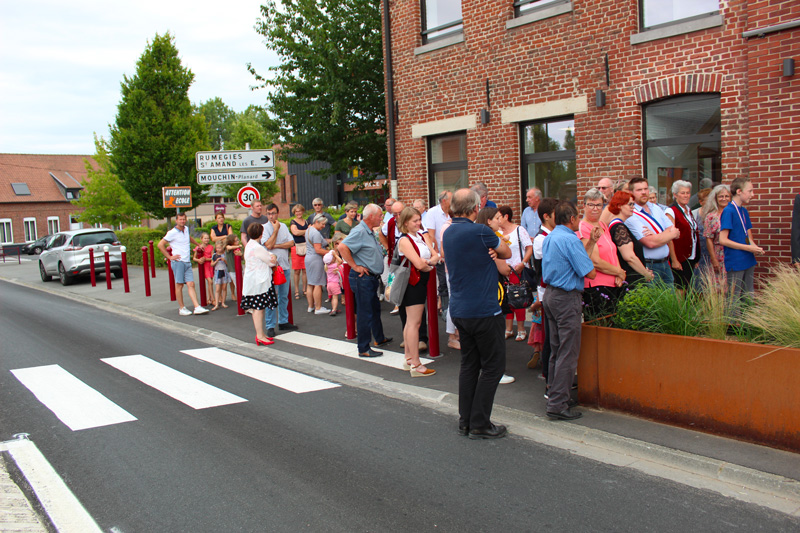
207, 178
246, 195
177, 197
230, 160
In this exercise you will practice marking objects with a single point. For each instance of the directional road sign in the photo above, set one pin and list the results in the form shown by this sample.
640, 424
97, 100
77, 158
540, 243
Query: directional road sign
230, 160
235, 177
246, 195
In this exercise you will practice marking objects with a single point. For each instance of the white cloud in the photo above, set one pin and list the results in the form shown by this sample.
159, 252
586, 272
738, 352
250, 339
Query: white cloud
61, 63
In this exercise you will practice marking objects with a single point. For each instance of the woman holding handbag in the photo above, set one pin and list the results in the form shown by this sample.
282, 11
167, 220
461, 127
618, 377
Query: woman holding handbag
420, 258
257, 290
521, 246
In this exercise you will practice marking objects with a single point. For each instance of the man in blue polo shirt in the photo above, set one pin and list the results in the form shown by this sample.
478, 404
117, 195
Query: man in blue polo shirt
476, 313
565, 264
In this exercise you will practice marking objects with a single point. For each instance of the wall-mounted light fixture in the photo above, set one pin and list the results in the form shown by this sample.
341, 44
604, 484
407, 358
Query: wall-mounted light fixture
788, 67
599, 98
485, 116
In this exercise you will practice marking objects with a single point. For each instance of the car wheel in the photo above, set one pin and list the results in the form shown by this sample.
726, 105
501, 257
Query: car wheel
43, 273
63, 277
37, 250
117, 273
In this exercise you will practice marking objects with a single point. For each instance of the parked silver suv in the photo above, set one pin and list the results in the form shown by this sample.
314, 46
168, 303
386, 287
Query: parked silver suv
67, 254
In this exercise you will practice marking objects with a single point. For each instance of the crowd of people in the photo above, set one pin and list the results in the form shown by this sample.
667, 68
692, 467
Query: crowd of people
575, 267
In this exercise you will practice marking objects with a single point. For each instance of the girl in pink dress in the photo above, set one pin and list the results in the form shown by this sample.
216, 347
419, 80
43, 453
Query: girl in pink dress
333, 267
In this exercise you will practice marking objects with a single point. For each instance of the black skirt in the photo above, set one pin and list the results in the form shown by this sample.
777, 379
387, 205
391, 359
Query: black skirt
417, 294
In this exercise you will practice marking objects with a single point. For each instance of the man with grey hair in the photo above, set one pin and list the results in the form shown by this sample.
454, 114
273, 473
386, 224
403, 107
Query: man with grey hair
319, 209
362, 252
470, 250
530, 216
434, 220
483, 191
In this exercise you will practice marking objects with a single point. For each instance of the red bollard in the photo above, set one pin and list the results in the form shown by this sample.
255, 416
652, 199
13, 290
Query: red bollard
108, 267
238, 262
349, 308
153, 265
172, 296
91, 267
146, 276
124, 252
202, 283
433, 315
289, 307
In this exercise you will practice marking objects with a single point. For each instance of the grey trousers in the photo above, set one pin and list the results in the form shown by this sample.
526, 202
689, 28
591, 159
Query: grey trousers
741, 285
563, 312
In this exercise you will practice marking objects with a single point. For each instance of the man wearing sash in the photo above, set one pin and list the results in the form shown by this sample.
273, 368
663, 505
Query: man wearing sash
654, 230
736, 235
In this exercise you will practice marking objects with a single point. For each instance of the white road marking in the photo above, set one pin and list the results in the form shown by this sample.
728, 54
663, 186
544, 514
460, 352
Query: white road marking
348, 349
74, 403
265, 372
62, 507
193, 392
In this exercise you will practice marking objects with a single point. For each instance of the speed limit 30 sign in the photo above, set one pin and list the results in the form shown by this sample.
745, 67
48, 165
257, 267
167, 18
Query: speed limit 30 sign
246, 195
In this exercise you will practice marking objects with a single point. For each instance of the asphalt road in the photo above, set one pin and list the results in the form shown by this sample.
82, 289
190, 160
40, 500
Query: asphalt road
337, 459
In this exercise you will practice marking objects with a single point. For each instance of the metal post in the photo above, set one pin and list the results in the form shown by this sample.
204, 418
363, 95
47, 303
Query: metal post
153, 264
433, 316
289, 307
238, 265
146, 272
172, 296
108, 267
349, 308
125, 280
91, 267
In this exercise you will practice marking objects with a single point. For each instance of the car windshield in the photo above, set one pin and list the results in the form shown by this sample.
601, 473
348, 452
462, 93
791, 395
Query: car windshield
88, 239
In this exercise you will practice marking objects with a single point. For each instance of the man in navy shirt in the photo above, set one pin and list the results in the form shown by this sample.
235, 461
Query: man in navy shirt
565, 264
476, 313
736, 235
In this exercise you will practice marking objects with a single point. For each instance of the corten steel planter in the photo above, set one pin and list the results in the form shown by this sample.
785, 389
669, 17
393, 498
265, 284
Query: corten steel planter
737, 389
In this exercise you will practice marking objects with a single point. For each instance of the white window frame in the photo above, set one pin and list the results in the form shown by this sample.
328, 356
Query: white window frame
6, 235
27, 234
53, 225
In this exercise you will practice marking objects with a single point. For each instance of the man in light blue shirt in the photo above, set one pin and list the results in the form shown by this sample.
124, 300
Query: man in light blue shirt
530, 216
653, 229
565, 264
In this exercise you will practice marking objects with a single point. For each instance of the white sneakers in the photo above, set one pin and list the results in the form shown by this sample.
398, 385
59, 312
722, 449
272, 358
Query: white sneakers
322, 311
197, 311
506, 379
310, 309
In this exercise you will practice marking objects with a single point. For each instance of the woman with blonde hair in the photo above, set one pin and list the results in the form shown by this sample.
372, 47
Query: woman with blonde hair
298, 228
712, 210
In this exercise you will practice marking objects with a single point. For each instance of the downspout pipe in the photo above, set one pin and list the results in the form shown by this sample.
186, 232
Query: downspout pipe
390, 118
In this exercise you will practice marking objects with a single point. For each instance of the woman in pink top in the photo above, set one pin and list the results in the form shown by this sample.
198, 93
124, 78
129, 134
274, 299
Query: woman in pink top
601, 293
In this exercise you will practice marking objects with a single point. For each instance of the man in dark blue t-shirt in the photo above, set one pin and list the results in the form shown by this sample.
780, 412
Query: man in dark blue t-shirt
476, 313
736, 235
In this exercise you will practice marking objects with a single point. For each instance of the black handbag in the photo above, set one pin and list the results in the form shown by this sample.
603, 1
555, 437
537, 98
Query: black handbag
520, 295
529, 274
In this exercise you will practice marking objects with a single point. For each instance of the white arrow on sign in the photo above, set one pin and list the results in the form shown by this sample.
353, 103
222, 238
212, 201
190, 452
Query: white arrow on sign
235, 177
227, 160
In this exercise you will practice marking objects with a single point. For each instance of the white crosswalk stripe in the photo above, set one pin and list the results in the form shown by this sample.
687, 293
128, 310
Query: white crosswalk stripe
184, 388
74, 403
265, 372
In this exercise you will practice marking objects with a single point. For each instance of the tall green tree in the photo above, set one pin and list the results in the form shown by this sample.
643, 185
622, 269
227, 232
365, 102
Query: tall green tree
104, 200
219, 120
327, 95
157, 131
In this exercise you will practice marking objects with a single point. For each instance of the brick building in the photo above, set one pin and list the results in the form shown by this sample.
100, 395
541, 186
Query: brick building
558, 94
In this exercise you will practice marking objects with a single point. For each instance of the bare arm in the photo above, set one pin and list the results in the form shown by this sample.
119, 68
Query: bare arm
654, 241
347, 256
752, 248
411, 254
502, 250
162, 247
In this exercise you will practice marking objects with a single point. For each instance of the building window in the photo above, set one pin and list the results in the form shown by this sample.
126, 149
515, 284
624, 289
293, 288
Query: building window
440, 18
6, 233
447, 164
548, 157
53, 225
657, 12
29, 224
523, 7
682, 141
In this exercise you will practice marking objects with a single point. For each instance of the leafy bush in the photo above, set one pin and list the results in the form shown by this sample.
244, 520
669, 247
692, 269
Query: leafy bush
134, 238
657, 308
235, 224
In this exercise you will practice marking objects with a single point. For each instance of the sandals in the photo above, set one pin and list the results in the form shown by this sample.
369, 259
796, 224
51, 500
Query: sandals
509, 334
297, 296
421, 373
521, 336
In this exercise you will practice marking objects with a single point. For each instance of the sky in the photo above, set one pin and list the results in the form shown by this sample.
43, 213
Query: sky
61, 63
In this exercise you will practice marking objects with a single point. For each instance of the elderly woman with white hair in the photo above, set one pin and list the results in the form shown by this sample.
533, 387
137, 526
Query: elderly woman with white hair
315, 269
684, 252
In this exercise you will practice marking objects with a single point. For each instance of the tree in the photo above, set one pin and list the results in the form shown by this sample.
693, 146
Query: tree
157, 132
327, 95
104, 200
219, 120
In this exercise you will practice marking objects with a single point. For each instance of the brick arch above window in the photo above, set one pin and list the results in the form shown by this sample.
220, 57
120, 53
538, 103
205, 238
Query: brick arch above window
675, 85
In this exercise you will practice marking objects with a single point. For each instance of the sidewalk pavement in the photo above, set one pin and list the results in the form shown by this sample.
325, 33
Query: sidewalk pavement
522, 400
16, 512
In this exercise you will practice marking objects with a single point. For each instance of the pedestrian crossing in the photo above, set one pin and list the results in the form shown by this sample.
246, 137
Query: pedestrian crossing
79, 406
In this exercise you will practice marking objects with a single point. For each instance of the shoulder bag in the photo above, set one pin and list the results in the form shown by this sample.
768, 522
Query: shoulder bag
528, 274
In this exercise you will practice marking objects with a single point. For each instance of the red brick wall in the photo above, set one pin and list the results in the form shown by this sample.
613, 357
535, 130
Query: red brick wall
41, 211
563, 57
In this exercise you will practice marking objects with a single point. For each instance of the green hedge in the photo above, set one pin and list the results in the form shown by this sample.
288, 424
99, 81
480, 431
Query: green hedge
134, 238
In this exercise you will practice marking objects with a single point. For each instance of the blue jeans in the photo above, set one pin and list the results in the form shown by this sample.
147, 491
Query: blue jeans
365, 289
271, 315
662, 271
